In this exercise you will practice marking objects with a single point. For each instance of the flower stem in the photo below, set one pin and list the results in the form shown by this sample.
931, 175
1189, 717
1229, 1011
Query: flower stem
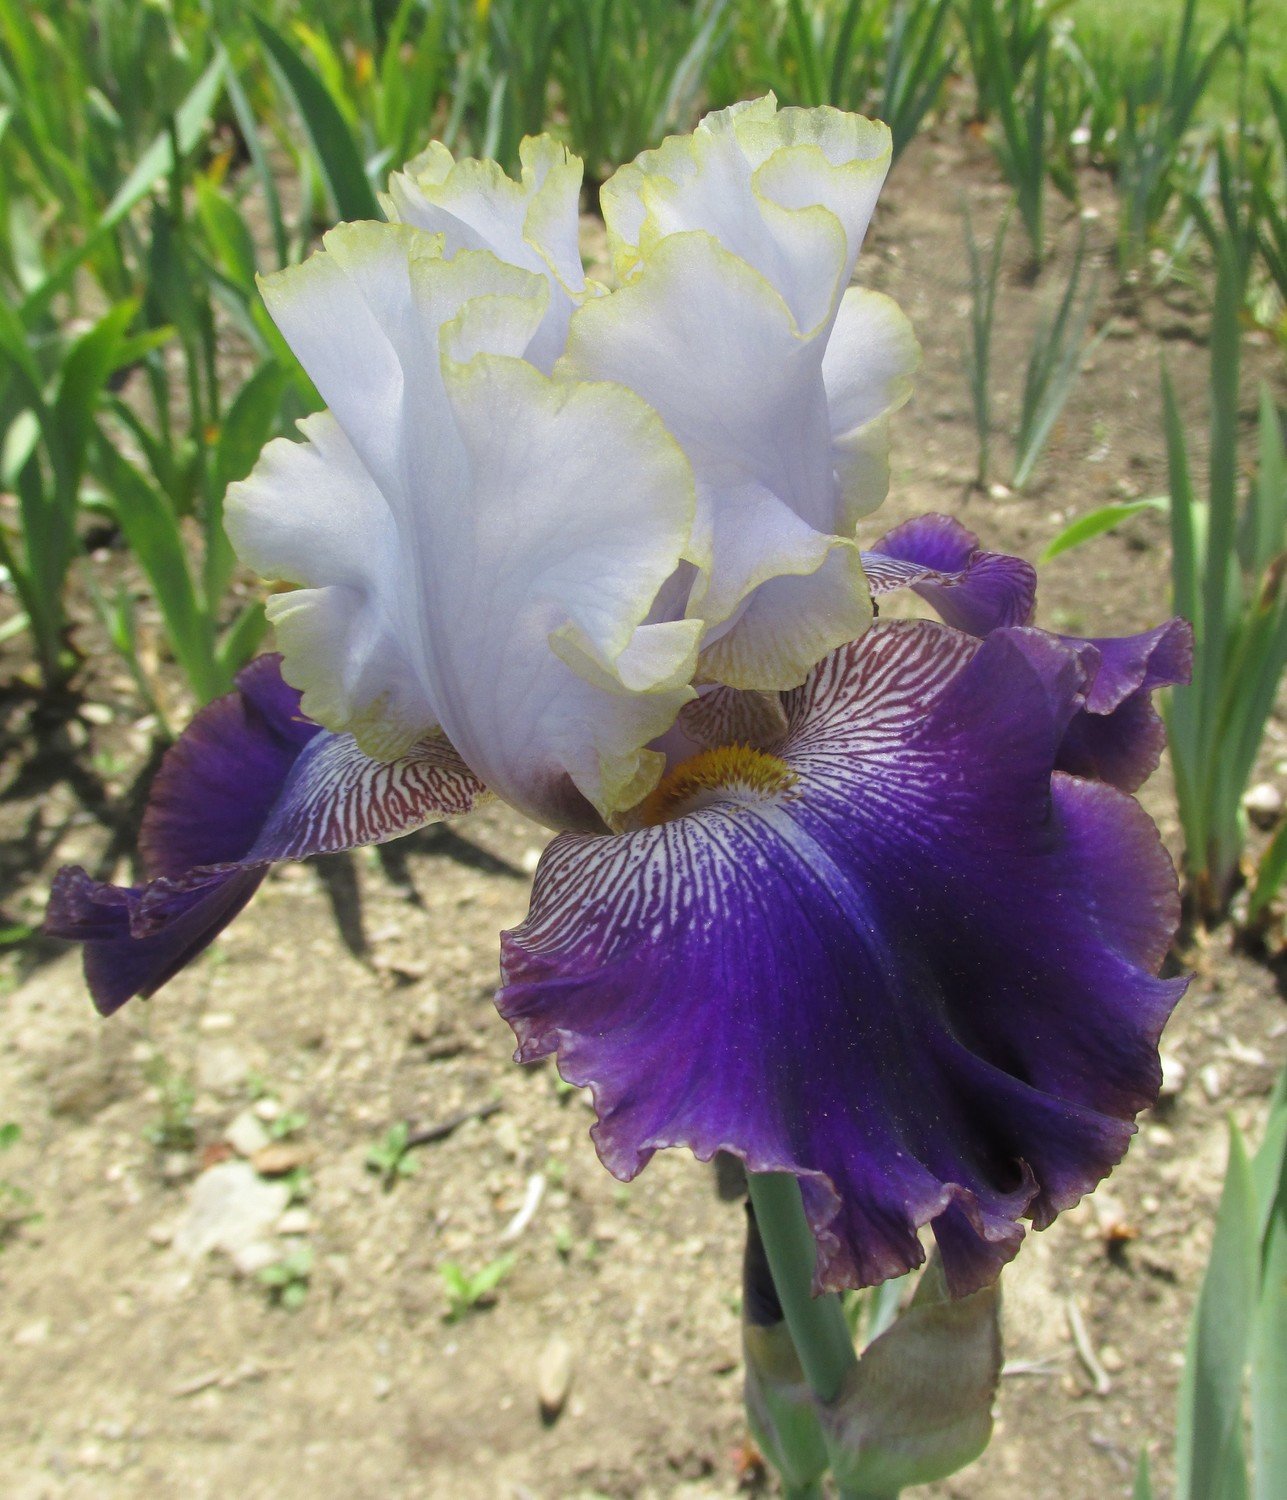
817, 1324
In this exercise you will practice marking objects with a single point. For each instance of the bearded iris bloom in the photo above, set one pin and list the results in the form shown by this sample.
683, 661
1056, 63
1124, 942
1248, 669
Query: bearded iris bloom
866, 903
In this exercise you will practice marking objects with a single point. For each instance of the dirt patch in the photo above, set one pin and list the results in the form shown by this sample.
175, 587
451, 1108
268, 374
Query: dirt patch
355, 994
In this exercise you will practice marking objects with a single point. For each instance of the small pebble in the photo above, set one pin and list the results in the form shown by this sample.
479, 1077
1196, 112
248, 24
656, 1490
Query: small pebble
296, 1220
246, 1134
1264, 804
553, 1377
250, 1259
1212, 1080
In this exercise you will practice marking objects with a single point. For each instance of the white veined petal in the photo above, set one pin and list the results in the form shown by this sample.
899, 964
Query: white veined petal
480, 546
790, 623
579, 509
713, 348
532, 223
790, 192
867, 369
310, 514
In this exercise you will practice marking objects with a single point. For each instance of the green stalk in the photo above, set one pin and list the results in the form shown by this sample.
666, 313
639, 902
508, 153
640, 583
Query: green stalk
817, 1324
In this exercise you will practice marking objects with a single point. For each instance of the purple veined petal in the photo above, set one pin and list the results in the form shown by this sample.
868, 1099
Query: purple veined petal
1119, 737
973, 590
902, 958
1141, 663
249, 782
728, 716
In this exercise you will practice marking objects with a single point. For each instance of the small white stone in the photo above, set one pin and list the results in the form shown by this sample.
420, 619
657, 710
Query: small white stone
32, 1334
1212, 1081
508, 1137
554, 1376
295, 1220
221, 1068
1264, 804
246, 1134
230, 1207
250, 1259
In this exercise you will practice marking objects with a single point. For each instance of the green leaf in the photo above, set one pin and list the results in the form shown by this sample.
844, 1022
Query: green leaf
329, 136
242, 639
919, 1404
228, 235
191, 122
152, 531
92, 358
1085, 528
250, 422
1209, 1442
1143, 1489
1269, 1336
1269, 874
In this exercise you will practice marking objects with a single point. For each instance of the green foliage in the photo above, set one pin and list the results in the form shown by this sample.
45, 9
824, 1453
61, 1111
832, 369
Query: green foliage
1238, 1338
985, 277
1160, 99
1012, 69
1054, 360
1227, 577
287, 1280
14, 1200
469, 1290
1097, 522
288, 1123
172, 1130
391, 1156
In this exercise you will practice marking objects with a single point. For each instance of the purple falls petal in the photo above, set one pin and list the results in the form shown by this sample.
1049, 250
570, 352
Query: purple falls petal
920, 975
249, 782
1119, 737
936, 556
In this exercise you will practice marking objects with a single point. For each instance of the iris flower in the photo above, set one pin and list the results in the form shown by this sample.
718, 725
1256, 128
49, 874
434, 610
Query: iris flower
868, 903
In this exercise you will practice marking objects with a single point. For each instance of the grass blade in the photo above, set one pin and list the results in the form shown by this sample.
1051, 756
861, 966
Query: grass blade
1209, 1430
332, 142
1097, 522
1269, 1338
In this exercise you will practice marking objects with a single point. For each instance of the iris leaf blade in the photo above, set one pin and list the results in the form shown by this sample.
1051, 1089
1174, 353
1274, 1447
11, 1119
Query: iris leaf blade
328, 134
1097, 522
1209, 1427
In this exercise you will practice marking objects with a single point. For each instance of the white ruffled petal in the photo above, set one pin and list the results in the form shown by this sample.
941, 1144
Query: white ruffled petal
532, 223
736, 245
711, 346
479, 545
790, 192
871, 357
